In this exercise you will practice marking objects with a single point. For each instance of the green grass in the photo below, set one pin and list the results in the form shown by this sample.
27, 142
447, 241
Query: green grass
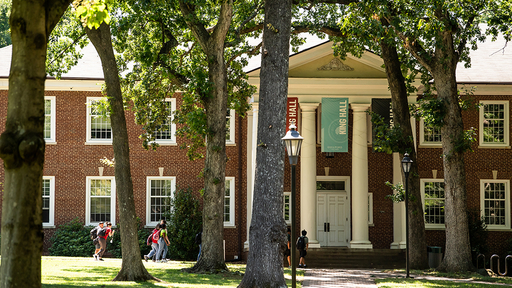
61, 272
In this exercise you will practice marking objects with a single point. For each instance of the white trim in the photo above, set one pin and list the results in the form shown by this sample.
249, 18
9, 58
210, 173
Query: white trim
50, 223
89, 140
506, 129
370, 209
348, 187
150, 223
170, 142
507, 203
53, 115
88, 199
422, 188
289, 194
232, 124
423, 143
231, 222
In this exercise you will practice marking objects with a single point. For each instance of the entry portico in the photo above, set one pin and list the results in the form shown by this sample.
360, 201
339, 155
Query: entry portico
334, 208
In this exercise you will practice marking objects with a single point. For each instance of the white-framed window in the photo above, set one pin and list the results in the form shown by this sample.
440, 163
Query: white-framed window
495, 203
101, 200
99, 130
159, 191
287, 197
229, 202
433, 198
49, 119
429, 135
230, 127
167, 133
48, 191
494, 124
370, 208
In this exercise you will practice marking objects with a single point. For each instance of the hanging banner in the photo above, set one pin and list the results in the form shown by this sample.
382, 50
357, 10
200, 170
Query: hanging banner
292, 111
334, 125
383, 108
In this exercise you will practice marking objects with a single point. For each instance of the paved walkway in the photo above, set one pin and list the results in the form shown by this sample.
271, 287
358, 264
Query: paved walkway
363, 278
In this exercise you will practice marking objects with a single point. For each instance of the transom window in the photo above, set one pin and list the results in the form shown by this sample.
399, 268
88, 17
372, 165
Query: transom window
99, 129
495, 203
101, 200
229, 202
494, 123
160, 191
165, 133
433, 202
49, 119
48, 191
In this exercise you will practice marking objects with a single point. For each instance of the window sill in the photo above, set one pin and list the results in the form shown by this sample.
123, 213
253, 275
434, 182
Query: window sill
230, 144
49, 226
426, 145
98, 143
167, 143
229, 226
50, 142
499, 229
493, 147
435, 228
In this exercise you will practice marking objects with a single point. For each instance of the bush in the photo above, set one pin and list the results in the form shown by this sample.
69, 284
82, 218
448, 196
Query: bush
185, 220
72, 239
477, 233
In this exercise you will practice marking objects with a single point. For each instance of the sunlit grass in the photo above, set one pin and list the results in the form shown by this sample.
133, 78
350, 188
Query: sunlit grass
85, 272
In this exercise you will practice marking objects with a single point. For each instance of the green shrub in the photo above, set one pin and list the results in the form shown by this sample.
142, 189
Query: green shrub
185, 220
72, 239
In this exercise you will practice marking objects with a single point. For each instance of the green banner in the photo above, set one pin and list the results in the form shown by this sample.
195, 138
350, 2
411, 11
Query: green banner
334, 125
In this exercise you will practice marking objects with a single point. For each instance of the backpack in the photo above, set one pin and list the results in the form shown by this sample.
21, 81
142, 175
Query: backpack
198, 238
156, 235
94, 233
150, 240
102, 232
301, 243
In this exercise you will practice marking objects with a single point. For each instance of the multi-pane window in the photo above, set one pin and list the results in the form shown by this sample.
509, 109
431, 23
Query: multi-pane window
495, 203
430, 134
49, 119
229, 202
286, 207
98, 122
100, 200
48, 188
230, 126
160, 191
433, 202
165, 133
494, 123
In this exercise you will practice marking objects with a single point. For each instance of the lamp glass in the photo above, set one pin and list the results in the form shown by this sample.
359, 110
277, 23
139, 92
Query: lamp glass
406, 163
293, 143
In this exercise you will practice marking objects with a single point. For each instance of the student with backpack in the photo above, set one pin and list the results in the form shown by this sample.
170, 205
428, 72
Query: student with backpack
102, 234
153, 241
302, 245
163, 242
96, 240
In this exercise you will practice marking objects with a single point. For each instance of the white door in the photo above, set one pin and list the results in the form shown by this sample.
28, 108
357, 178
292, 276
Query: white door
332, 218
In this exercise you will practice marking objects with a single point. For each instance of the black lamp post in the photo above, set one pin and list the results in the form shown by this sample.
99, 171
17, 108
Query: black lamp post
406, 166
293, 142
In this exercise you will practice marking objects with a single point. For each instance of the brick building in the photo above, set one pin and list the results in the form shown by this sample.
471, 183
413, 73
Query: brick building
344, 189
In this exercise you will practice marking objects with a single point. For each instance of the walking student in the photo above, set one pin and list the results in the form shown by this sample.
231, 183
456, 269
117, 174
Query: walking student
302, 245
163, 242
155, 235
95, 239
103, 233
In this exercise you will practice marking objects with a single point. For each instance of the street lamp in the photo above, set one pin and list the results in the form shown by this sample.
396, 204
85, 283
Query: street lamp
406, 166
293, 142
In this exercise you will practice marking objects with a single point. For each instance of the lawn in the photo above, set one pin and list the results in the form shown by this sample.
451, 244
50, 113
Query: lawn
64, 272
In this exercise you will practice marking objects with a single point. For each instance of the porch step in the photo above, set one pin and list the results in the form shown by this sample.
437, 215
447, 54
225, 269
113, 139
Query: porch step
355, 258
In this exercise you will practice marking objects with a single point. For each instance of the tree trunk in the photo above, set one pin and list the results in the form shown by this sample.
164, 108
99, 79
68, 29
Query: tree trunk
267, 237
458, 250
402, 117
22, 143
132, 268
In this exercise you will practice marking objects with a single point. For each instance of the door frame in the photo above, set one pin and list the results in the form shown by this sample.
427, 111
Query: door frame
349, 201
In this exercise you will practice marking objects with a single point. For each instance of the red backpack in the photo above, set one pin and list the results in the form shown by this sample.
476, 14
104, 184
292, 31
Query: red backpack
153, 236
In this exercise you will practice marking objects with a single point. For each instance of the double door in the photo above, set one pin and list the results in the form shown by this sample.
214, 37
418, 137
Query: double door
332, 218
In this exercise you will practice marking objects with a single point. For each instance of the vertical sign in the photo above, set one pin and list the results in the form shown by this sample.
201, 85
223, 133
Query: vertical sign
383, 108
334, 125
292, 109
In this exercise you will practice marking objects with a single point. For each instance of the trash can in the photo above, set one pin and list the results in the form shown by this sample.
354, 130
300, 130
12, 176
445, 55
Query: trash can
434, 256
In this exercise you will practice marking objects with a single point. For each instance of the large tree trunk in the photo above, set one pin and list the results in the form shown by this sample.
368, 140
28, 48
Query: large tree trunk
22, 143
402, 117
132, 268
267, 236
458, 250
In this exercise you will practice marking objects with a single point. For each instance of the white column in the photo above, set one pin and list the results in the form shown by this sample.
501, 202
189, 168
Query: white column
252, 135
308, 173
398, 208
360, 237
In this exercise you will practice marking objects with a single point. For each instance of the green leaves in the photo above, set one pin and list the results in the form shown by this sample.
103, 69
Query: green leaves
92, 12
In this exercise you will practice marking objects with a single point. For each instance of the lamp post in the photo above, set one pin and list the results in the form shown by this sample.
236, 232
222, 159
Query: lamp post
406, 166
293, 142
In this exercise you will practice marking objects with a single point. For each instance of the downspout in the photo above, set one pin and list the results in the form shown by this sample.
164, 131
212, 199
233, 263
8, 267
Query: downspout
239, 184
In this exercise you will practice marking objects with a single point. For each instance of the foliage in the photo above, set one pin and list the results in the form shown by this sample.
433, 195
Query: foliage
477, 232
72, 239
389, 139
5, 29
92, 12
400, 192
185, 220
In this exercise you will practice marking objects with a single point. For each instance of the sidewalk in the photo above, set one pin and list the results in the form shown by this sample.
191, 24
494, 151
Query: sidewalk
364, 278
